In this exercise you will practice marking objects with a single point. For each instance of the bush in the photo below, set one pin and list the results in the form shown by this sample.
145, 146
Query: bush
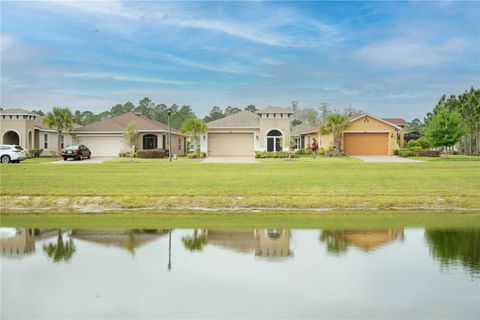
195, 155
410, 152
151, 153
424, 142
430, 153
126, 155
321, 151
396, 152
34, 153
275, 154
413, 143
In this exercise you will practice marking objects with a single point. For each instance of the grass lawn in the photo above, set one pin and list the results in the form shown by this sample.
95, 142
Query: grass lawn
278, 183
326, 220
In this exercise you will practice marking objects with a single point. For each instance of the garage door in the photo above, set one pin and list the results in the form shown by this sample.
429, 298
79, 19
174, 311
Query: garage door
103, 146
366, 143
230, 144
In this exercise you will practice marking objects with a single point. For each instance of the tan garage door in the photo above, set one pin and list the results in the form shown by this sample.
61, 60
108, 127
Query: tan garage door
366, 143
102, 146
230, 144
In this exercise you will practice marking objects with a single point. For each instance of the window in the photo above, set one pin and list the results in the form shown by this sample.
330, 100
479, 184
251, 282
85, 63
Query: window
274, 141
45, 141
62, 141
308, 142
149, 141
180, 144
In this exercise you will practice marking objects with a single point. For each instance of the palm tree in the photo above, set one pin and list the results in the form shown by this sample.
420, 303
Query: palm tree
60, 119
335, 123
194, 128
61, 250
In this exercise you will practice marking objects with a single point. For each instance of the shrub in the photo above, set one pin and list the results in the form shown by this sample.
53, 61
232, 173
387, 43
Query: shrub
396, 152
33, 153
195, 155
321, 152
151, 153
127, 155
430, 153
275, 154
424, 142
410, 152
413, 143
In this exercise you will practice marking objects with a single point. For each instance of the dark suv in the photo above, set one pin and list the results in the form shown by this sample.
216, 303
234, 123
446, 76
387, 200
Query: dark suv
77, 152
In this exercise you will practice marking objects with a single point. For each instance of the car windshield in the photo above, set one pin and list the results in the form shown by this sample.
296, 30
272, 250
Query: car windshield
71, 148
18, 148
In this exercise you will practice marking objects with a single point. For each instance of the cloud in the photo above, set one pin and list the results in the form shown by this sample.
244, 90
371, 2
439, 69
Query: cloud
410, 52
120, 77
226, 68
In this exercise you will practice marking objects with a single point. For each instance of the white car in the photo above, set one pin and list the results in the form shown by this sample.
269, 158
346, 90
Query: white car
11, 153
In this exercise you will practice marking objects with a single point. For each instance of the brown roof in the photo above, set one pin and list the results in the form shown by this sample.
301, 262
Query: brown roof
120, 122
243, 119
17, 111
396, 121
274, 110
304, 129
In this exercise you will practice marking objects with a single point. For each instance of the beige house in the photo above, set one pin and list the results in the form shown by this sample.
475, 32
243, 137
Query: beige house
367, 135
243, 133
24, 128
105, 137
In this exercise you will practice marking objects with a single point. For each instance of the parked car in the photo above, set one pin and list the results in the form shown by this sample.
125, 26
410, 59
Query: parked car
11, 153
77, 152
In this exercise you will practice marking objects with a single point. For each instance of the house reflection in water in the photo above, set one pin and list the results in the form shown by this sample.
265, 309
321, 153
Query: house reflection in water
17, 242
267, 243
338, 241
128, 239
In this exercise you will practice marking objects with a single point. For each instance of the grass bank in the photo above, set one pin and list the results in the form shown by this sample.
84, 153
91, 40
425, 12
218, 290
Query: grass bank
301, 183
186, 219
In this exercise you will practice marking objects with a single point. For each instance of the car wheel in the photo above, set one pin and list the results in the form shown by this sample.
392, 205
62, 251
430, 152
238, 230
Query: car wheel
80, 158
65, 159
89, 155
5, 159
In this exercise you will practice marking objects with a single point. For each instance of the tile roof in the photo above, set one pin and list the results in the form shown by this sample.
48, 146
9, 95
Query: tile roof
17, 111
242, 119
304, 129
396, 121
120, 122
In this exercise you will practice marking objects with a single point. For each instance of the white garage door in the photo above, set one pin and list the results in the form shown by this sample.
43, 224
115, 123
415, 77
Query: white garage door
103, 146
230, 144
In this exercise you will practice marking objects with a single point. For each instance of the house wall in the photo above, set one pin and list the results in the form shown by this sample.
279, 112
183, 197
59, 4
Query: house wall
52, 145
274, 121
21, 127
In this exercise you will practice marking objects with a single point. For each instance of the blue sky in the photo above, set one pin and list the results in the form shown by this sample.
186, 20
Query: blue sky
386, 58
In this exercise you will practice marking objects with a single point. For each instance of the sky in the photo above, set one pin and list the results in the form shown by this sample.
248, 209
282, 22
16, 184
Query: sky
390, 59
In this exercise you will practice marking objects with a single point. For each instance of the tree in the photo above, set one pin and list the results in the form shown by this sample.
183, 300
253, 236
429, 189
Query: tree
145, 107
251, 108
335, 123
324, 110
195, 242
231, 110
131, 136
445, 128
351, 110
60, 119
39, 112
181, 115
415, 125
194, 127
60, 250
215, 114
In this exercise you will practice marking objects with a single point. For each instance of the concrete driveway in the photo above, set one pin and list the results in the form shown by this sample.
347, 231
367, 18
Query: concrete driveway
84, 161
229, 160
384, 159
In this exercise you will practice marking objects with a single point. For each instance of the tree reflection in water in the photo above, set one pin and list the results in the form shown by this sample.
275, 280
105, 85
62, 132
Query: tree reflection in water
61, 250
456, 247
195, 242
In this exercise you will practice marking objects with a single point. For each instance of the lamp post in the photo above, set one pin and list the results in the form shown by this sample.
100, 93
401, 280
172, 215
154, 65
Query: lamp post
169, 134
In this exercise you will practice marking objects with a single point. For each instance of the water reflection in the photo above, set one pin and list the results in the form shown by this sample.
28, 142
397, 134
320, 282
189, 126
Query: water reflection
61, 250
338, 241
452, 247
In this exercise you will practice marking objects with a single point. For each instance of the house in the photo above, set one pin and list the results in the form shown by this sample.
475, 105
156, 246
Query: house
105, 137
245, 132
367, 135
24, 128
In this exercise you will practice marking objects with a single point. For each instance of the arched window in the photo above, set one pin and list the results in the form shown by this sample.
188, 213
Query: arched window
149, 141
274, 141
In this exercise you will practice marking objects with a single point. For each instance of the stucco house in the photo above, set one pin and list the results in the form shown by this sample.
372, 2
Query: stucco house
24, 128
367, 135
245, 132
105, 137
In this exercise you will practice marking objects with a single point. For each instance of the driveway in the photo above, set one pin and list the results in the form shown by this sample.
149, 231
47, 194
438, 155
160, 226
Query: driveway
384, 159
84, 161
229, 160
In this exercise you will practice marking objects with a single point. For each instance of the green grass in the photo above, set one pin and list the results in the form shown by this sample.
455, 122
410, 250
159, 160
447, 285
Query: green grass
324, 220
299, 183
449, 158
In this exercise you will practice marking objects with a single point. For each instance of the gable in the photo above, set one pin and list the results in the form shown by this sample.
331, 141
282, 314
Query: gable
369, 123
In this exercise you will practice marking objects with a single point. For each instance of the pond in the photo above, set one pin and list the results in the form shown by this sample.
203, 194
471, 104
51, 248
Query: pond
396, 272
